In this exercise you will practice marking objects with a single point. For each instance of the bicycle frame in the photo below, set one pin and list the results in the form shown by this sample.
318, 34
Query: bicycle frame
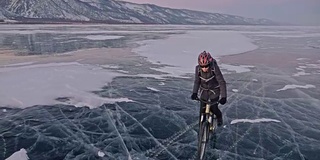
208, 115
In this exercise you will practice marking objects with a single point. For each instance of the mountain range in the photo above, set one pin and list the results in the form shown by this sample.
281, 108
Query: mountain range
113, 12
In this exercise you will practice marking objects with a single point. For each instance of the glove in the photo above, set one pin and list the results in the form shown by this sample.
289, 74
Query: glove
223, 100
194, 96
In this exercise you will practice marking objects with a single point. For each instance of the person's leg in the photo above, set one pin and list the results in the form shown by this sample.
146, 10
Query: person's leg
215, 109
218, 113
204, 95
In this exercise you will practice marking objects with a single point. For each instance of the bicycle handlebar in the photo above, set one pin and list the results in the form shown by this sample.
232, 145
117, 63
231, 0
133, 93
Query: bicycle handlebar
206, 102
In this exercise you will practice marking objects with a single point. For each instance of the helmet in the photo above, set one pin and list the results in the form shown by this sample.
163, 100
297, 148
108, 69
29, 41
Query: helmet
204, 59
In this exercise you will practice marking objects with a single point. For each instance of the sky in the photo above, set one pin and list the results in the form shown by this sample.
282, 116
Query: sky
305, 12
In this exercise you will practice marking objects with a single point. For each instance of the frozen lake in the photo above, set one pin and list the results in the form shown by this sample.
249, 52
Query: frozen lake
122, 91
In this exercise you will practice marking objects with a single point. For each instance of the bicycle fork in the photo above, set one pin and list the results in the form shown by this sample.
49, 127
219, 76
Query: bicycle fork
208, 115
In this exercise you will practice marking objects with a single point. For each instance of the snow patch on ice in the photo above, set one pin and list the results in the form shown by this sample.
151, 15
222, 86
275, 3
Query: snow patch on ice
101, 154
235, 90
171, 72
19, 155
42, 84
237, 69
93, 101
155, 76
253, 120
302, 59
293, 86
301, 69
153, 89
167, 51
18, 64
301, 73
123, 71
111, 66
316, 66
100, 37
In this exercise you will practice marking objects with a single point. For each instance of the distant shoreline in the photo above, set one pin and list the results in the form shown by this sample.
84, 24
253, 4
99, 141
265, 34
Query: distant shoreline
44, 21
116, 23
70, 22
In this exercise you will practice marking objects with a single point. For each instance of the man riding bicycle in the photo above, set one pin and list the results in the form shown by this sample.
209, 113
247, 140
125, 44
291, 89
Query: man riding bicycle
210, 84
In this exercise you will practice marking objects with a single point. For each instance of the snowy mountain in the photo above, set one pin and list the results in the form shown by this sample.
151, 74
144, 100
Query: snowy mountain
2, 16
111, 11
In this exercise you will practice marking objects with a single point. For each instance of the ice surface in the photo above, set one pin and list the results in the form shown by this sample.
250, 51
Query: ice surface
181, 51
293, 86
253, 120
19, 155
29, 85
163, 124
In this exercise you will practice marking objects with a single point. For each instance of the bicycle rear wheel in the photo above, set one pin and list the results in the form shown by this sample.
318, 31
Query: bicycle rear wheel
203, 139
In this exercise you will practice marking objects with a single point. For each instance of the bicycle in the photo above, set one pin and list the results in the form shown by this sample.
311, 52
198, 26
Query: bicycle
208, 123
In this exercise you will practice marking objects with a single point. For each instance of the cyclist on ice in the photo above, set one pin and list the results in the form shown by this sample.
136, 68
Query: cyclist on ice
210, 84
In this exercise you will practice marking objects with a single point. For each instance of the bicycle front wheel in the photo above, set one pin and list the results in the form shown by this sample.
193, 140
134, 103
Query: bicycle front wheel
203, 139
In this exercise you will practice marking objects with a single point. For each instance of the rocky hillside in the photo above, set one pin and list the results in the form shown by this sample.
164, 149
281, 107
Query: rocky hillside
111, 11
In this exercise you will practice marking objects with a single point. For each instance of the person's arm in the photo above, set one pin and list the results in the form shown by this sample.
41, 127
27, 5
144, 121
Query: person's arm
221, 81
196, 84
